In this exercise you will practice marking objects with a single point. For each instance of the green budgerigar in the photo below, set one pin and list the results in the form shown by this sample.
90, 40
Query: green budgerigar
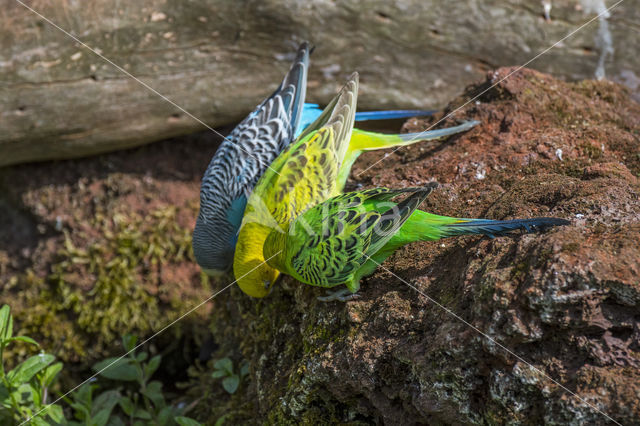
312, 169
346, 237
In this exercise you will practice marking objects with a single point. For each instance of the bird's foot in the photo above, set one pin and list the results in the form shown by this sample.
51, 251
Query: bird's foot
342, 295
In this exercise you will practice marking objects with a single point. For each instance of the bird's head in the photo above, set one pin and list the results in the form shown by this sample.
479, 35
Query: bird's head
256, 278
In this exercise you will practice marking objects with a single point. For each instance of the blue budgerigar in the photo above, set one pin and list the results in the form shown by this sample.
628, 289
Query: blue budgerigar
241, 159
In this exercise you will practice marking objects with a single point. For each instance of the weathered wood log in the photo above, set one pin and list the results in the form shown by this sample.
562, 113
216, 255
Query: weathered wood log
217, 59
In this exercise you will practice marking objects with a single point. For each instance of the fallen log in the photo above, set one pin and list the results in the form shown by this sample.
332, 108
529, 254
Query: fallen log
217, 59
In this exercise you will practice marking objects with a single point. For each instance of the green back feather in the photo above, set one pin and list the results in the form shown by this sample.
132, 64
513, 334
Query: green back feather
330, 242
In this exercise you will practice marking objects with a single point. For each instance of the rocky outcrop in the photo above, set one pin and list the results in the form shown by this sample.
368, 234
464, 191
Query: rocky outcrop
218, 59
527, 329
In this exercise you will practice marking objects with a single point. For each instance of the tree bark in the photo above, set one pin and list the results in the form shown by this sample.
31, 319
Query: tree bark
217, 59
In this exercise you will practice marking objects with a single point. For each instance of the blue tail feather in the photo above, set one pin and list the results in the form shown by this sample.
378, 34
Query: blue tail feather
493, 228
310, 112
392, 114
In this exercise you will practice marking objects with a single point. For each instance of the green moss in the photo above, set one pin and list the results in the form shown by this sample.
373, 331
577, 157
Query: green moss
520, 270
485, 293
574, 169
595, 89
527, 95
544, 255
591, 151
570, 247
560, 108
101, 288
37, 315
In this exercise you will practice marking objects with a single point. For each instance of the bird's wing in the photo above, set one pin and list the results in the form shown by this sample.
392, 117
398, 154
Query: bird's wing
306, 173
287, 101
331, 241
270, 128
256, 141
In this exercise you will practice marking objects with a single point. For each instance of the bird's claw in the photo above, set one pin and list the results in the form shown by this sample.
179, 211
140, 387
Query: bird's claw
342, 295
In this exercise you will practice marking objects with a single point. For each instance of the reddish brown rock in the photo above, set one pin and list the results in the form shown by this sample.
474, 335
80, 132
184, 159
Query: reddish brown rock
433, 352
526, 329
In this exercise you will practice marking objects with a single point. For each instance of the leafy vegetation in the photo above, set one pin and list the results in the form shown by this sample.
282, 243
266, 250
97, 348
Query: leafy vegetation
124, 394
224, 368
98, 289
25, 388
134, 399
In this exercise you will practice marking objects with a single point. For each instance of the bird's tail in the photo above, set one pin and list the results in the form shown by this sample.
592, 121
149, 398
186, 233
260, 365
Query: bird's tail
493, 228
311, 112
429, 227
392, 114
369, 141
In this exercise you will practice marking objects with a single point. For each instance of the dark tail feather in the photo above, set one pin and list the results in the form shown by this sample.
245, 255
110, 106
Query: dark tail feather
392, 114
494, 228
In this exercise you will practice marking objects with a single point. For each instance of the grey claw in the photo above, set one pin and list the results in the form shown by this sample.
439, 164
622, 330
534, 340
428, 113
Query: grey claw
342, 295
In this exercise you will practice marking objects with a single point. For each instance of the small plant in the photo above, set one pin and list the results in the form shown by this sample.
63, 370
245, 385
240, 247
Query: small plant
141, 404
91, 410
224, 368
24, 389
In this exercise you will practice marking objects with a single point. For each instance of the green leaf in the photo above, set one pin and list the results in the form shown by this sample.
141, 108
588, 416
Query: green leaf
186, 421
224, 364
80, 411
152, 366
219, 373
4, 392
22, 394
25, 371
127, 405
105, 401
154, 393
141, 413
244, 370
129, 342
55, 413
141, 357
84, 394
36, 395
38, 421
101, 418
230, 384
115, 421
164, 416
50, 373
6, 323
117, 369
221, 420
25, 339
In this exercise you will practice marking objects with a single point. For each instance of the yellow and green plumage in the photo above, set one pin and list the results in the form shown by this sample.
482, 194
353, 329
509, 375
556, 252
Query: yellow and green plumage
312, 169
344, 238
303, 175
